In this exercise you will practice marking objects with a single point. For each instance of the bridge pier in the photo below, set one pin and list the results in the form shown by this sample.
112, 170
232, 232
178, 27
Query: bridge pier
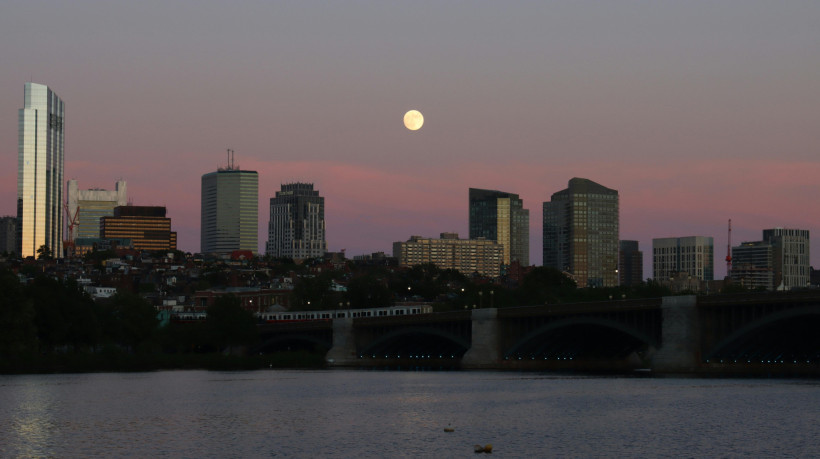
343, 352
484, 349
680, 337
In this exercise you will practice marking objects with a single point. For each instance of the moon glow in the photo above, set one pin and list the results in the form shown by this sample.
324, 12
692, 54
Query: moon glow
413, 120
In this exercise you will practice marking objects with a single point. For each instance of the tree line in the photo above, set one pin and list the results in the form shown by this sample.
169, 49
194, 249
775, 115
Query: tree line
49, 316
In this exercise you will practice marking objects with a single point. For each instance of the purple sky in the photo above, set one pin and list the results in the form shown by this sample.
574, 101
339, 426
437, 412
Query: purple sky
696, 111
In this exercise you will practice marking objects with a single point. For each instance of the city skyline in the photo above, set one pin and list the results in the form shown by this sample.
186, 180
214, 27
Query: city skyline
695, 113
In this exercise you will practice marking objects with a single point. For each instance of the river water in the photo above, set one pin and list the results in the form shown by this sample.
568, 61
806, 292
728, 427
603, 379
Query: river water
348, 413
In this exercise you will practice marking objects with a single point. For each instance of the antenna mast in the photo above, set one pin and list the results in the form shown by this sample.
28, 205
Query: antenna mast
729, 252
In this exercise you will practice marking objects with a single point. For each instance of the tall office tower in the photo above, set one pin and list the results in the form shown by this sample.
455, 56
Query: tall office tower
40, 172
146, 226
87, 207
8, 234
693, 255
297, 223
230, 211
467, 256
581, 233
501, 217
630, 263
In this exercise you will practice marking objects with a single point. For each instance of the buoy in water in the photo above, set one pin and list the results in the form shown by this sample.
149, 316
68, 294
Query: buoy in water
488, 448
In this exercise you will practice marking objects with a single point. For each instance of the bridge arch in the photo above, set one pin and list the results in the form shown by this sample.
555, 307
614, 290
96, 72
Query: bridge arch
548, 341
795, 330
416, 341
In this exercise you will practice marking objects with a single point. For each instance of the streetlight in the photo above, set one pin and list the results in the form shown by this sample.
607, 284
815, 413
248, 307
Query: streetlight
492, 295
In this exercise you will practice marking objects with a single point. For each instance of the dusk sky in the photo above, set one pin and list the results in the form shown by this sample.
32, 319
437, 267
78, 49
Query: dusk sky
695, 111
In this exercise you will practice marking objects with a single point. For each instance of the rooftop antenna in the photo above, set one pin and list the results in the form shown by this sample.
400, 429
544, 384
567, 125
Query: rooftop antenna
230, 160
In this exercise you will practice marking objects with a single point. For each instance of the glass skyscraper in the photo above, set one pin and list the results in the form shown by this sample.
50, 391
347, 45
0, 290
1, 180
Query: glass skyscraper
501, 217
40, 151
297, 223
581, 233
230, 211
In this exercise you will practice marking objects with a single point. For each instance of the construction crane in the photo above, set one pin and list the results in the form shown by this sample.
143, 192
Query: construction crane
73, 222
729, 252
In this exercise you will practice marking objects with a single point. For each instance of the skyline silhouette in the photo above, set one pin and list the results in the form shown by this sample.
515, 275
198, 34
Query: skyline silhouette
695, 112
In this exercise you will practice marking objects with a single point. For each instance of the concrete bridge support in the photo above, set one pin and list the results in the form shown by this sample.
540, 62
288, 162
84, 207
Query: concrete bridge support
680, 337
484, 350
343, 351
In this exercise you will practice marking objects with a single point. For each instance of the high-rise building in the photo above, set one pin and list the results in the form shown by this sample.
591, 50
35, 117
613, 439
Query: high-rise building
146, 226
40, 172
87, 207
791, 257
467, 256
297, 223
501, 217
230, 211
581, 233
8, 234
779, 262
753, 265
693, 255
630, 263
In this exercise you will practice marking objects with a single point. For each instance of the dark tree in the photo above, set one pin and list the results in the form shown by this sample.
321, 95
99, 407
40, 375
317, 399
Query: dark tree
229, 325
44, 252
131, 319
312, 293
545, 285
368, 291
18, 334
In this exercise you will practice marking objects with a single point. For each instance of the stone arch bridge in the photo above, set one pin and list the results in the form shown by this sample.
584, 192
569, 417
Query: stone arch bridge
750, 333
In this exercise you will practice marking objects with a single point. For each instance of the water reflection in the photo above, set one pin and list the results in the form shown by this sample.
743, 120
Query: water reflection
399, 414
30, 418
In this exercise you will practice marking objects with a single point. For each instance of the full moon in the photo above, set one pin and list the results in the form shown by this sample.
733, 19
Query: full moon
413, 120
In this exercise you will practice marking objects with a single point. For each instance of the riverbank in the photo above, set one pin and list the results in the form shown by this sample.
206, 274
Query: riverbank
124, 362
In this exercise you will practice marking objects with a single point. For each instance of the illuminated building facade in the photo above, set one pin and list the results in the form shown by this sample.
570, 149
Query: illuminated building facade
467, 256
581, 233
693, 256
40, 160
146, 227
501, 217
89, 206
297, 223
779, 262
230, 211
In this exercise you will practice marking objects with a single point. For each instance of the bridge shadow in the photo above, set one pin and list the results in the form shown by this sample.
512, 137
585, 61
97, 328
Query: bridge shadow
318, 343
582, 339
416, 343
788, 336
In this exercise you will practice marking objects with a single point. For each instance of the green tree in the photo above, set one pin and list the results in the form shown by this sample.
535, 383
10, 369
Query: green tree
130, 321
313, 292
367, 291
229, 325
545, 285
18, 334
51, 317
44, 253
